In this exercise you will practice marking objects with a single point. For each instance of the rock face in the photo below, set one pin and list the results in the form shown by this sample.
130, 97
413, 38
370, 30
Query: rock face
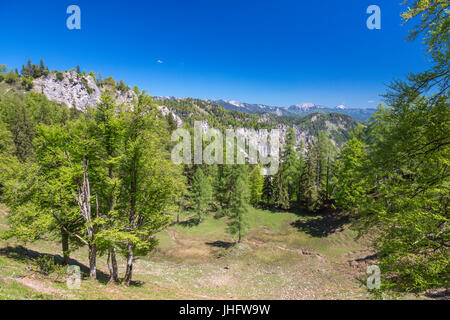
165, 112
75, 90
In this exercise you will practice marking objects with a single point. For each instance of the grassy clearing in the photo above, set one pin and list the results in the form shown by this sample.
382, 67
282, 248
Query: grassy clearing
283, 256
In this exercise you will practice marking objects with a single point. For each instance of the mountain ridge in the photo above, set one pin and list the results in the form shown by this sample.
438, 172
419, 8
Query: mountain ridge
81, 90
296, 110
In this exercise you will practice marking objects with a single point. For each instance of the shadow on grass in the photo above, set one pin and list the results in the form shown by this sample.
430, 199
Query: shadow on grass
24, 255
189, 223
439, 294
322, 226
221, 244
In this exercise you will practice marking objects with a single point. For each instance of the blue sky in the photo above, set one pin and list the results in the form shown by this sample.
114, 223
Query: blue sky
271, 52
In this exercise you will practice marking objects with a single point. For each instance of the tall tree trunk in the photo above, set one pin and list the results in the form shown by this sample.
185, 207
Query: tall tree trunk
112, 266
93, 261
240, 236
129, 271
328, 175
65, 246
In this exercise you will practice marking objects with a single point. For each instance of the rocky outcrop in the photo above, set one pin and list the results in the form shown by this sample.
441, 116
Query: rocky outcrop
76, 90
165, 112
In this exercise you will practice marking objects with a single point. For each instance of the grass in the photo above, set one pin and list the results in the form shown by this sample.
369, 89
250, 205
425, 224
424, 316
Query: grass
11, 289
283, 256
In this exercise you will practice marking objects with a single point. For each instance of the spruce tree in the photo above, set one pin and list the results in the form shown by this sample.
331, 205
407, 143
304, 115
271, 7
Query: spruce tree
310, 183
267, 193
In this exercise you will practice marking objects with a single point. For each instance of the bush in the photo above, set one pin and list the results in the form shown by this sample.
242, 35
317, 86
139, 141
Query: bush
11, 77
89, 89
59, 76
27, 83
46, 264
110, 81
121, 86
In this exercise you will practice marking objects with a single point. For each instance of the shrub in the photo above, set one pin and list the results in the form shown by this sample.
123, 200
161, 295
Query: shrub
89, 89
12, 77
27, 83
59, 76
110, 81
46, 264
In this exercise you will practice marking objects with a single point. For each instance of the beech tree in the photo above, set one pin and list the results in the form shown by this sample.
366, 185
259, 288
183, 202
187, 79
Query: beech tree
149, 181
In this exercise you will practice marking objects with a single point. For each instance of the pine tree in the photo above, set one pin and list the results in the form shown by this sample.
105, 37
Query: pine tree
267, 193
27, 71
311, 182
43, 68
327, 156
172, 122
283, 200
290, 165
222, 185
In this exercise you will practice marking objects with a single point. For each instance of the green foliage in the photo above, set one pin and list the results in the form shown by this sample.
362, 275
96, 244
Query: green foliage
43, 69
59, 76
287, 178
110, 82
46, 264
201, 193
267, 192
256, 183
21, 113
239, 202
121, 86
12, 77
350, 181
310, 181
397, 178
34, 71
3, 68
27, 83
86, 85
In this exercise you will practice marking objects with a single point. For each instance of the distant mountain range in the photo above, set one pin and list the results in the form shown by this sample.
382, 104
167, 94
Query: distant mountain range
297, 110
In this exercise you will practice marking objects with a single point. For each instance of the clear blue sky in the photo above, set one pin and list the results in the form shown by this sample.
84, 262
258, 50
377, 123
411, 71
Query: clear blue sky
271, 52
